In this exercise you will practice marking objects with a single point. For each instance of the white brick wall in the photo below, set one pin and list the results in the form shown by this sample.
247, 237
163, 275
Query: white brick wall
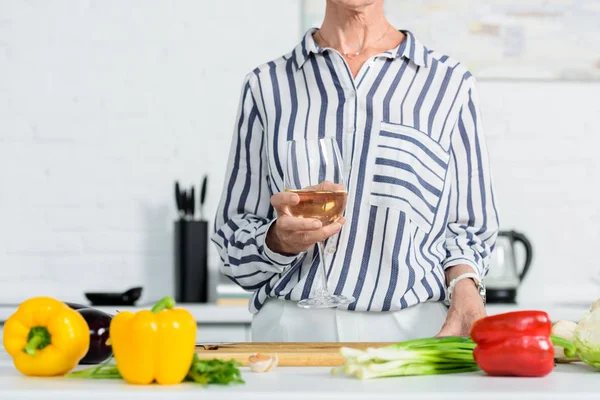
543, 140
104, 102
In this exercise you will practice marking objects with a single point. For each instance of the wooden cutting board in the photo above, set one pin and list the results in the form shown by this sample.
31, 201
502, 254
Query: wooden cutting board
298, 354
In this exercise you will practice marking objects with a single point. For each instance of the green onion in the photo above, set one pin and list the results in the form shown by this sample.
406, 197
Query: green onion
426, 356
106, 370
204, 372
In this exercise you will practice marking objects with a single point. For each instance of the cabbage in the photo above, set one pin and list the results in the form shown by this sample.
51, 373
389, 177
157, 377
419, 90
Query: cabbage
587, 338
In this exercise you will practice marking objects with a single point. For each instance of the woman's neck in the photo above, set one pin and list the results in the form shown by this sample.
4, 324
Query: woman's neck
352, 29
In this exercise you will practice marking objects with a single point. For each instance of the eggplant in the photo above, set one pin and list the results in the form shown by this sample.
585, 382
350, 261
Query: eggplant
76, 306
99, 324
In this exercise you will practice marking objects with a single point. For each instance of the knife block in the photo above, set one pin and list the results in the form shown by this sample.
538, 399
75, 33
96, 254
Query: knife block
191, 261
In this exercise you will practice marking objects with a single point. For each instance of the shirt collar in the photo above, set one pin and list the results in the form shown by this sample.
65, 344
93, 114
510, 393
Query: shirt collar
410, 48
306, 47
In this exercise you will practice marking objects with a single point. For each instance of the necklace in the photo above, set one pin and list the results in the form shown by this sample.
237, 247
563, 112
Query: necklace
355, 54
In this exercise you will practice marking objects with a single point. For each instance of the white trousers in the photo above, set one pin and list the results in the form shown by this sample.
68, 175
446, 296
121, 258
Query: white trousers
284, 321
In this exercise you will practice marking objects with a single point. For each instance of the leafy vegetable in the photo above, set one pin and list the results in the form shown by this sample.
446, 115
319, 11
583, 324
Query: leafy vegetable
204, 372
587, 338
214, 371
581, 341
426, 356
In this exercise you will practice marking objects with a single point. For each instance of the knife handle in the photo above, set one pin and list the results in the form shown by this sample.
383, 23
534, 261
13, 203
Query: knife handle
202, 197
203, 190
178, 199
192, 202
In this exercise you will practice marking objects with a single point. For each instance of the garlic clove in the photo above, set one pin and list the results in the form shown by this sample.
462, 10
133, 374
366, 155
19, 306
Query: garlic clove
262, 362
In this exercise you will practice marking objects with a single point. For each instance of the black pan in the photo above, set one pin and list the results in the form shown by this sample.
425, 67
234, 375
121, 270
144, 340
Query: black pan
127, 298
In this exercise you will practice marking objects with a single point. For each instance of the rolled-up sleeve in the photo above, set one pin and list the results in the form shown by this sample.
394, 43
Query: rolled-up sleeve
245, 213
473, 218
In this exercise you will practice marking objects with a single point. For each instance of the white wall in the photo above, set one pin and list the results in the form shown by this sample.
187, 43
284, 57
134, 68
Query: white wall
543, 139
104, 103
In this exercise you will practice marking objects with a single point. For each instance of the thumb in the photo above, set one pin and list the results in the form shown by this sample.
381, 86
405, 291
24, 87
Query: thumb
280, 201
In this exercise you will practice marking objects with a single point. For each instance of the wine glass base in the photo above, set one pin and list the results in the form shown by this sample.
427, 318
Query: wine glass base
328, 301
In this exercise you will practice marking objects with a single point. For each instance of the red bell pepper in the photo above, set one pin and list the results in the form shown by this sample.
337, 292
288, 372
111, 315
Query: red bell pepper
514, 344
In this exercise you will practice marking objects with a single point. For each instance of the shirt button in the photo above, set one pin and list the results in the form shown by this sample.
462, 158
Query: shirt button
351, 93
331, 249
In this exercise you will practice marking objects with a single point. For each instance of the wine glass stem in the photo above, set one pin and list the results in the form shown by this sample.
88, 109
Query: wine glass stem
323, 292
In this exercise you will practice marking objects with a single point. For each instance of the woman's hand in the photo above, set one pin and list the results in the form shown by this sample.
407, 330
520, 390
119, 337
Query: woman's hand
290, 235
466, 306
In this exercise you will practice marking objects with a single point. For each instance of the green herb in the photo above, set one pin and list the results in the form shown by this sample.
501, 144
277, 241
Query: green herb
215, 371
426, 356
204, 372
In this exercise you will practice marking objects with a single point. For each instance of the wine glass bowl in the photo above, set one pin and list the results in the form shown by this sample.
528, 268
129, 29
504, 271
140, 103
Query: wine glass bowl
325, 202
314, 171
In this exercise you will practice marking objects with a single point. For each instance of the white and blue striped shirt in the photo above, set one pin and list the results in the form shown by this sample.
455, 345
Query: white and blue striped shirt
420, 196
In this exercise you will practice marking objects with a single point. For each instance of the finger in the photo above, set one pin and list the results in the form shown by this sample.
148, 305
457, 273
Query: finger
327, 186
288, 223
330, 186
311, 237
341, 221
282, 200
337, 187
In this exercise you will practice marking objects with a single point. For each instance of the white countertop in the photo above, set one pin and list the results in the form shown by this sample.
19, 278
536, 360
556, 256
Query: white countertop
212, 314
207, 313
565, 382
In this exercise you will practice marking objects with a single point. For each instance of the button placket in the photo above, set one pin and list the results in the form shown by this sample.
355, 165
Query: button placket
349, 127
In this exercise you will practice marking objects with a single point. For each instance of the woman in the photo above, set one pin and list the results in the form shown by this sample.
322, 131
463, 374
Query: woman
408, 239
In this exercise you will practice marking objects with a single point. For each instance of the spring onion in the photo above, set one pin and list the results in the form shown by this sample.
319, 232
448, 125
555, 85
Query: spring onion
203, 372
427, 356
564, 330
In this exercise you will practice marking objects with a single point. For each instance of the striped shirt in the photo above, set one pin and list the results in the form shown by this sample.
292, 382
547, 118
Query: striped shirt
420, 196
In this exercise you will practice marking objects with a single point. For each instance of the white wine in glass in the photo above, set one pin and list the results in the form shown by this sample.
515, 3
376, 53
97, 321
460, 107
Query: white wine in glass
325, 205
314, 171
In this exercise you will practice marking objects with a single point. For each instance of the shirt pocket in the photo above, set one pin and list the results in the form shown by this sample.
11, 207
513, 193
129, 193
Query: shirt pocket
409, 173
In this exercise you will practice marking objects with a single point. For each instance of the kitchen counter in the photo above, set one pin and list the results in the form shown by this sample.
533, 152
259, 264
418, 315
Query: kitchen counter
566, 382
215, 323
207, 313
232, 324
213, 314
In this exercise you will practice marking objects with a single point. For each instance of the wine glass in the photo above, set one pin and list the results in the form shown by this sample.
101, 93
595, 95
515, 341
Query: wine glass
314, 171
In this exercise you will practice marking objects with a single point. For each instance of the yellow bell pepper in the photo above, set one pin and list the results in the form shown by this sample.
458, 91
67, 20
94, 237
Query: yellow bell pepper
154, 345
45, 337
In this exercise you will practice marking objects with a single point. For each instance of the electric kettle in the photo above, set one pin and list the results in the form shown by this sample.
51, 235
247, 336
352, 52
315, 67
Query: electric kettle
505, 276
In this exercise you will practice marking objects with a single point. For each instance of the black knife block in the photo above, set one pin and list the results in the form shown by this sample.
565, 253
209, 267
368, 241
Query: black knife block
191, 261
